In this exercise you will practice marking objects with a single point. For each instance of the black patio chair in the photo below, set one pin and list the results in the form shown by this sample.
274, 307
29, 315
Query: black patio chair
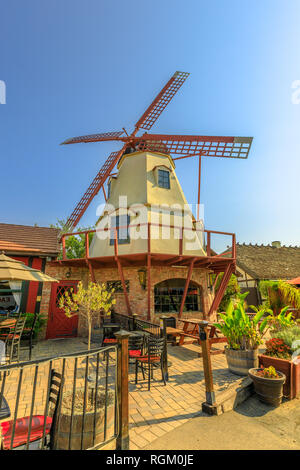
135, 346
28, 334
12, 339
15, 436
153, 359
170, 321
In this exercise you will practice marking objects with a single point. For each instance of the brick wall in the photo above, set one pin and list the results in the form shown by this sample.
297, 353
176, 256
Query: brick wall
137, 295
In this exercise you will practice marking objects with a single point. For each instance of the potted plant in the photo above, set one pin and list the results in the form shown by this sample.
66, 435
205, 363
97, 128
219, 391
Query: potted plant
86, 428
268, 384
243, 334
283, 353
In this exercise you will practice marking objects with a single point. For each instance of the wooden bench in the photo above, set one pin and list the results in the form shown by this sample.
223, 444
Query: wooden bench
191, 330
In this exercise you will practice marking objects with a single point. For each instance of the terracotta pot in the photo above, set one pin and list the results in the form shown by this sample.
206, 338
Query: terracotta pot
239, 361
268, 390
291, 370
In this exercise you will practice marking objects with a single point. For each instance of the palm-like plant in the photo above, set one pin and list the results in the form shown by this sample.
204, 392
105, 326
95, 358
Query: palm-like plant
241, 331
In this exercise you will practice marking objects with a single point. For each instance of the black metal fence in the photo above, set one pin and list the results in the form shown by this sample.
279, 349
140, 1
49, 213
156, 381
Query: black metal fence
68, 402
133, 323
125, 322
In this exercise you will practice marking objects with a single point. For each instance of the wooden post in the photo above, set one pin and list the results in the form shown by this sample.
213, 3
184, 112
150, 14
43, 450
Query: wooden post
63, 247
134, 317
163, 334
199, 185
87, 245
209, 406
187, 283
148, 286
122, 390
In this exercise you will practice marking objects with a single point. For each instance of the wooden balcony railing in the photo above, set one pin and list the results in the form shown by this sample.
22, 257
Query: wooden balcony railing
207, 235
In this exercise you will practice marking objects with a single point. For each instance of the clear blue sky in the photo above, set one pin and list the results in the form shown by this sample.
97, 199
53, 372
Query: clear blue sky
73, 67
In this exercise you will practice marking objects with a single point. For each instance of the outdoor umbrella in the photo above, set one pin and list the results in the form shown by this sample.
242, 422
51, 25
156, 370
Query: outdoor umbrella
295, 281
13, 270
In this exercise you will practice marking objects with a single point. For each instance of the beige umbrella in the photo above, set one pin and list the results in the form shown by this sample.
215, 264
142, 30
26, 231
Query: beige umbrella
13, 270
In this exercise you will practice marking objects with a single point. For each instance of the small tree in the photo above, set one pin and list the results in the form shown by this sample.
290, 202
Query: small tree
88, 303
75, 244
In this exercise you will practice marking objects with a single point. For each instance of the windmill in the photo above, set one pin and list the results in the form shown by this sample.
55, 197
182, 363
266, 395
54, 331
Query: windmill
182, 146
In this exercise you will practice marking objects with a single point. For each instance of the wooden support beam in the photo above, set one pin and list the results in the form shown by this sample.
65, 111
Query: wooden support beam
63, 248
104, 193
120, 270
187, 282
148, 287
220, 292
199, 185
174, 260
90, 266
122, 391
87, 245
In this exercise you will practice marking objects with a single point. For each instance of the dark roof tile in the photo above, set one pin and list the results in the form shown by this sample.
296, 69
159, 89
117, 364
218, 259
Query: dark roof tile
28, 239
269, 262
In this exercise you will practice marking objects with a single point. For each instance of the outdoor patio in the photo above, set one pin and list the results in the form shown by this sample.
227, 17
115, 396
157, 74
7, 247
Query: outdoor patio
151, 413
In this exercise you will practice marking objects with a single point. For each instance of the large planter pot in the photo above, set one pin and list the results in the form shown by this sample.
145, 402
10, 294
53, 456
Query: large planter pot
62, 429
239, 362
268, 390
291, 370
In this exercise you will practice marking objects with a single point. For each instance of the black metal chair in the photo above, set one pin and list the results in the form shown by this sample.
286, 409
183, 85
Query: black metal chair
135, 346
170, 321
153, 359
39, 428
12, 340
28, 334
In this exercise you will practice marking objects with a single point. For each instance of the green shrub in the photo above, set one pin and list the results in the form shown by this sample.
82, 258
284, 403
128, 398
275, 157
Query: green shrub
289, 335
241, 331
39, 324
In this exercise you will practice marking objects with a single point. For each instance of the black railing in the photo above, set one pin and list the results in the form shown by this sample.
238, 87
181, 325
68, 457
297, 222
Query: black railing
66, 402
125, 322
146, 326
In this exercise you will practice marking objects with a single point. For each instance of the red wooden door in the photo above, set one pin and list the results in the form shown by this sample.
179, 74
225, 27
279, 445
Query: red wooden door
59, 325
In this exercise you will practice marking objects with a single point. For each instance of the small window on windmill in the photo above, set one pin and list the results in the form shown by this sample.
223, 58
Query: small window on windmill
120, 224
164, 179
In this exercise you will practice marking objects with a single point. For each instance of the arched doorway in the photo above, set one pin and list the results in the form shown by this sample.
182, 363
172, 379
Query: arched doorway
168, 295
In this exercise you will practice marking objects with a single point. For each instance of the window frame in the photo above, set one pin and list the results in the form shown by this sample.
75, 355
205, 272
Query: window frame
161, 173
121, 241
170, 300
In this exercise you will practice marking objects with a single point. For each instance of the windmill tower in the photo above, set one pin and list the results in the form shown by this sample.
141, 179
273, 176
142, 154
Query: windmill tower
165, 264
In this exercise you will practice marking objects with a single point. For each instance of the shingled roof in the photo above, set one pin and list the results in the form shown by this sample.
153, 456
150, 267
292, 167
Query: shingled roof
25, 239
269, 262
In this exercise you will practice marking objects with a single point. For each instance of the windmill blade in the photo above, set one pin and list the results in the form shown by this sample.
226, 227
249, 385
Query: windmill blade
155, 109
94, 188
94, 138
190, 145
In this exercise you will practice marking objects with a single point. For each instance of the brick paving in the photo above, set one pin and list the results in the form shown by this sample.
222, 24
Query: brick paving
152, 413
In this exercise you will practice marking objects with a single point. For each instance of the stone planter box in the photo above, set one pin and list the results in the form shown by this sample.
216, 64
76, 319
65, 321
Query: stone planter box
239, 362
291, 388
62, 430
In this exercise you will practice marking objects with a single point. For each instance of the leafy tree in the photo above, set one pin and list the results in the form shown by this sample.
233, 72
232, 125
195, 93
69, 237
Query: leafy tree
88, 303
75, 244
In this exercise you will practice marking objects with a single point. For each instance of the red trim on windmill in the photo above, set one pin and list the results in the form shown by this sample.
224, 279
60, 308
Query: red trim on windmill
183, 145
